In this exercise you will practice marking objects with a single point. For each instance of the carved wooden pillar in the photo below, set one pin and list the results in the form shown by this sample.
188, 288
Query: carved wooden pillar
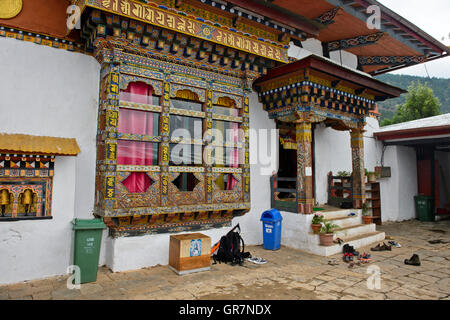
305, 200
357, 144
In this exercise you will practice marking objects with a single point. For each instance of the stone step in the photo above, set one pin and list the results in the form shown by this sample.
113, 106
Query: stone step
346, 221
347, 232
362, 240
339, 213
354, 230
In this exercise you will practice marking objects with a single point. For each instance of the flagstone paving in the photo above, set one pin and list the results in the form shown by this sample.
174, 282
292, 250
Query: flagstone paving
288, 274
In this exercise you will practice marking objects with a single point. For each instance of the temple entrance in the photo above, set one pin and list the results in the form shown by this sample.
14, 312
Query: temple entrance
285, 179
299, 96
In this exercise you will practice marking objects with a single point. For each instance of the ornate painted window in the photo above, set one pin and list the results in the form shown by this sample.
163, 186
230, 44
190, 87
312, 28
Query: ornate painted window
154, 168
26, 179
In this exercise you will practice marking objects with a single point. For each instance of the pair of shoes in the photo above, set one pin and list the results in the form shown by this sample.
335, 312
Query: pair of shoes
380, 247
351, 214
338, 240
257, 260
347, 257
395, 244
413, 261
365, 258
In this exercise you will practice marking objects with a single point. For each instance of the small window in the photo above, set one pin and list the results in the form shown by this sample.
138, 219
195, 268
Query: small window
139, 92
185, 104
226, 181
137, 182
137, 153
226, 131
138, 122
193, 127
226, 106
186, 181
227, 157
185, 154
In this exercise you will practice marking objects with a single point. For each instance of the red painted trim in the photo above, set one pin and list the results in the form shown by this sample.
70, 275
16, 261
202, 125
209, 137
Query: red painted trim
276, 15
412, 133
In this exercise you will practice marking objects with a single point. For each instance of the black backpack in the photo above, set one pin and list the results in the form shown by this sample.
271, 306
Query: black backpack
230, 249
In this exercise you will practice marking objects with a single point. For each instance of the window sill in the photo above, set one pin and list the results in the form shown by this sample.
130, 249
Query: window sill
9, 219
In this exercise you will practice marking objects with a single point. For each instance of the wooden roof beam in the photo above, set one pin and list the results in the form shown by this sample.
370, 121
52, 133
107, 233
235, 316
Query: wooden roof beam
390, 60
327, 17
272, 13
363, 40
385, 27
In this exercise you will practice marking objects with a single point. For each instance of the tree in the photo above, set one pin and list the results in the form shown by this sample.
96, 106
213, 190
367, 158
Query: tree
420, 103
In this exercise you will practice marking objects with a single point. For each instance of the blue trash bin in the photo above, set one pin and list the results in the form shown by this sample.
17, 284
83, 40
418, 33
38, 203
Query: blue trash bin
271, 220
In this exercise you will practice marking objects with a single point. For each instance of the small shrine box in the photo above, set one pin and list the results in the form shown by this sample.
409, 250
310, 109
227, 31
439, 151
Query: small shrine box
189, 253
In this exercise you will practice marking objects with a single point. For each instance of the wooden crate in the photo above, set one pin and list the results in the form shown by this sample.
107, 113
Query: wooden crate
189, 253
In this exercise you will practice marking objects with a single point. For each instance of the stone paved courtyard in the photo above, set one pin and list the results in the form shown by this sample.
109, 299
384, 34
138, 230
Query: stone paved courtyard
288, 274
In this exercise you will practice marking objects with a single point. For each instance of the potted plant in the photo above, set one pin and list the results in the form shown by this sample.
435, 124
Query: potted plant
327, 233
367, 218
316, 222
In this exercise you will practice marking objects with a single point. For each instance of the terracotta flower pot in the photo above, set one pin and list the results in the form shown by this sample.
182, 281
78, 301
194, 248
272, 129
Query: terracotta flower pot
326, 239
316, 227
367, 219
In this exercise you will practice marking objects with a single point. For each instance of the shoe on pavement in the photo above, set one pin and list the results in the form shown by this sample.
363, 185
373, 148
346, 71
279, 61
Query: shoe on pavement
413, 261
379, 247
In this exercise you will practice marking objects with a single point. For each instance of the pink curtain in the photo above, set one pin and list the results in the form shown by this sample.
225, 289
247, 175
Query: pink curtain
140, 123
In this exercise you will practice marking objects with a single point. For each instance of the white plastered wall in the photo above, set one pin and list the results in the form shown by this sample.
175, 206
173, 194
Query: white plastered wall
333, 153
49, 92
398, 191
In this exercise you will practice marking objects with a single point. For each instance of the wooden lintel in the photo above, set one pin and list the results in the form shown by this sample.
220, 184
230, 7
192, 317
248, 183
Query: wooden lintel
358, 41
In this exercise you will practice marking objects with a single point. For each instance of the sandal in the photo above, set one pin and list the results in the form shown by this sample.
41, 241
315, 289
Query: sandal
395, 244
333, 262
379, 247
257, 260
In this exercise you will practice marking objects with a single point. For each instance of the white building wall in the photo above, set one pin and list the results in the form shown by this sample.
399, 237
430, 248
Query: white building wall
398, 191
49, 92
344, 58
332, 153
407, 183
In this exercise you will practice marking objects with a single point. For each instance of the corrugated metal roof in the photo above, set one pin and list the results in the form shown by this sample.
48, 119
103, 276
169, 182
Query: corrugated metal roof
436, 121
17, 143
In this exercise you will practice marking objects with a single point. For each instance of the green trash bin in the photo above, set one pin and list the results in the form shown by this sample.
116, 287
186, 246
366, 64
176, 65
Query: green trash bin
424, 208
88, 238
